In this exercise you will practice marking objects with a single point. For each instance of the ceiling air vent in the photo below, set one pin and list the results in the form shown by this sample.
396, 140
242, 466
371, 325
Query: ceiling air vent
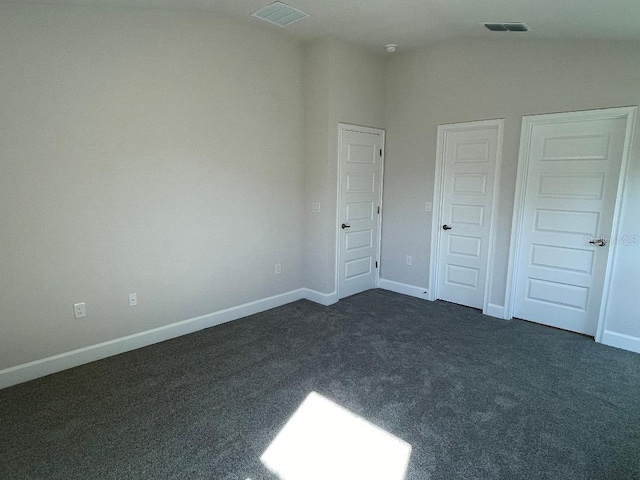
506, 27
496, 27
280, 14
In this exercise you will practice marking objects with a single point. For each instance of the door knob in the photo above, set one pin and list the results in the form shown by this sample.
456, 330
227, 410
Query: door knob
600, 242
446, 227
344, 225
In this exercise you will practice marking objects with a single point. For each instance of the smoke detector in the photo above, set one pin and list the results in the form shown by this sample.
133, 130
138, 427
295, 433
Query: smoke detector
279, 14
506, 27
392, 47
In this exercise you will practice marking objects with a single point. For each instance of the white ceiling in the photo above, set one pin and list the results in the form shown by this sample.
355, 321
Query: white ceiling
413, 23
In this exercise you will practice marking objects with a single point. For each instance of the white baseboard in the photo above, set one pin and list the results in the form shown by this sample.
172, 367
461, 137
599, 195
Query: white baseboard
494, 310
620, 340
403, 288
325, 299
46, 366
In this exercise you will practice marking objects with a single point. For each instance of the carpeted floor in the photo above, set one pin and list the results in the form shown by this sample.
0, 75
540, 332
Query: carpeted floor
476, 397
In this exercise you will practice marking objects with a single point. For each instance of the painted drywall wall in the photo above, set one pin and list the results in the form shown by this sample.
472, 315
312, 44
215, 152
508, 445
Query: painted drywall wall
142, 151
317, 185
342, 83
162, 153
622, 314
478, 80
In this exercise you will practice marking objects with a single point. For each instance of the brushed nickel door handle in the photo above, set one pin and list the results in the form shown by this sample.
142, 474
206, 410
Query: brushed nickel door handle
600, 242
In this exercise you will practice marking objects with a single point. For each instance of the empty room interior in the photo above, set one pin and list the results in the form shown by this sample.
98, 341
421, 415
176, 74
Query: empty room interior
386, 239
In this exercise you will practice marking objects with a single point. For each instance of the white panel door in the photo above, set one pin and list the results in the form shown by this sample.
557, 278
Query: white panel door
572, 164
470, 153
360, 173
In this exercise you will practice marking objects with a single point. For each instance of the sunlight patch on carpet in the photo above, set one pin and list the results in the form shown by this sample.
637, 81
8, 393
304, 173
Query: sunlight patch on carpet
323, 440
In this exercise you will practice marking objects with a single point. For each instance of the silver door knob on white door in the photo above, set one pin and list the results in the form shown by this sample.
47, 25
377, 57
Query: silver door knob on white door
600, 242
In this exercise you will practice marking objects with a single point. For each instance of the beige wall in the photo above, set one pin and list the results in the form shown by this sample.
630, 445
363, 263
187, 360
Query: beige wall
478, 80
317, 246
177, 155
343, 83
148, 152
622, 313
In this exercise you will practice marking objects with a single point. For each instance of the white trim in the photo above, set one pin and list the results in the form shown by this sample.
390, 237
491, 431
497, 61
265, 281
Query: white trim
373, 131
436, 215
438, 191
488, 284
56, 363
620, 340
494, 310
404, 289
325, 299
518, 211
528, 123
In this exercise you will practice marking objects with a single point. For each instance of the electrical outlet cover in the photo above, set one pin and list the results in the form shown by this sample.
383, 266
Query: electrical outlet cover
79, 310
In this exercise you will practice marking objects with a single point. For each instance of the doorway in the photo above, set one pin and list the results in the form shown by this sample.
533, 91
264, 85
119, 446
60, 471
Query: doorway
570, 169
360, 167
465, 198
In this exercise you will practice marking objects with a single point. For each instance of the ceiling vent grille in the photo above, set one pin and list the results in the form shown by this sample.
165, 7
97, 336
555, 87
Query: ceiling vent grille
280, 14
506, 27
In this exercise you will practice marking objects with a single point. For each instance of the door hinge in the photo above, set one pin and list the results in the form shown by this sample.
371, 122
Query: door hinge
378, 210
376, 264
380, 152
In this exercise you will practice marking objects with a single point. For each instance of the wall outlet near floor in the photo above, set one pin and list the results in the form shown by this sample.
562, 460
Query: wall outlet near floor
409, 260
79, 310
315, 207
278, 269
133, 299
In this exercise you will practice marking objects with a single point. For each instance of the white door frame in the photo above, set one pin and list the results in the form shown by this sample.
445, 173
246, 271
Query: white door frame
372, 130
438, 192
629, 113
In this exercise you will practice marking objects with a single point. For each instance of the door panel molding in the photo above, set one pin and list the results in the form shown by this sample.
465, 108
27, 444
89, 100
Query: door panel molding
472, 154
515, 249
358, 184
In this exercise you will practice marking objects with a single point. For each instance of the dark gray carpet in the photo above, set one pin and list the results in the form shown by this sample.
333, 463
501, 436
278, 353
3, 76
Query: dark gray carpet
475, 397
